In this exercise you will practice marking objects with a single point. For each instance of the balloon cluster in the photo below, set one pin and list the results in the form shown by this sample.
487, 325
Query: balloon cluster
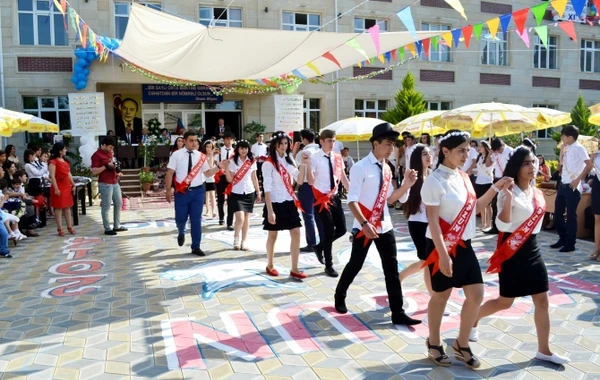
87, 148
85, 57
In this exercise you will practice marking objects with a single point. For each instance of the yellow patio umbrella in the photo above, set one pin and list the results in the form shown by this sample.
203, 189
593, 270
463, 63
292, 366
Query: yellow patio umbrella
422, 123
595, 116
13, 122
554, 117
354, 129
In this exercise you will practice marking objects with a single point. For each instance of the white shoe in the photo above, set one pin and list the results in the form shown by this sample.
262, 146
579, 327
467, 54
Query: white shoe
474, 335
554, 358
21, 236
13, 235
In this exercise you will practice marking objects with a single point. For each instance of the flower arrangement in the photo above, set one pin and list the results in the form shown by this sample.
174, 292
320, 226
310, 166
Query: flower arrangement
122, 142
148, 149
153, 127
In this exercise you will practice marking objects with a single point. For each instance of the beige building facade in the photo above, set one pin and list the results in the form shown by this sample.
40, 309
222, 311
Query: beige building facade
37, 61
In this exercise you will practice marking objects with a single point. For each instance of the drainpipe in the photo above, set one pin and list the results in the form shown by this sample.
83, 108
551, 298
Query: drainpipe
337, 73
2, 73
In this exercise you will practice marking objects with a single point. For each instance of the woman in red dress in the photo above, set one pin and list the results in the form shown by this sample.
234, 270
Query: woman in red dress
61, 191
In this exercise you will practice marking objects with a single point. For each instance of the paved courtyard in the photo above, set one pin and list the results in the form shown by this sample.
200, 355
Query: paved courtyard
138, 306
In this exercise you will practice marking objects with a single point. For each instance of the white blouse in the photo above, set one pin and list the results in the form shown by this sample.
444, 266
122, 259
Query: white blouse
34, 171
245, 186
273, 183
522, 208
597, 164
421, 215
484, 173
446, 188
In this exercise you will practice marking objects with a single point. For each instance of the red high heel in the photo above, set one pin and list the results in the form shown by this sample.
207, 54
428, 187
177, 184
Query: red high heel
71, 230
61, 232
272, 272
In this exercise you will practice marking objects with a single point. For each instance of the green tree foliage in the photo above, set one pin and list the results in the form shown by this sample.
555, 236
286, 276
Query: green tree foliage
580, 115
252, 129
409, 102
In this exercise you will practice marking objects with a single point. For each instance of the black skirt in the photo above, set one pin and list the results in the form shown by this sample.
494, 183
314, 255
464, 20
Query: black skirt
417, 232
480, 190
287, 217
525, 273
211, 186
242, 202
34, 187
596, 196
465, 269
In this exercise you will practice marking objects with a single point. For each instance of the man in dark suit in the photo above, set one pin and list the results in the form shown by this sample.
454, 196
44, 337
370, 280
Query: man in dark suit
202, 136
129, 108
130, 138
221, 129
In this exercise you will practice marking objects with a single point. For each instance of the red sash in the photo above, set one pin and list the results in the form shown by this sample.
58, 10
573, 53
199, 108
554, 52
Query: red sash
324, 200
499, 165
181, 187
239, 175
515, 241
452, 234
220, 173
287, 181
374, 215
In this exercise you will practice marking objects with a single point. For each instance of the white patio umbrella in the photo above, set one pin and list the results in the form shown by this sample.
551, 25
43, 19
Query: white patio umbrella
422, 123
354, 129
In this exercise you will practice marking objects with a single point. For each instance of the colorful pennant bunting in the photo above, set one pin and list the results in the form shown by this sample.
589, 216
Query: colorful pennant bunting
84, 37
447, 38
493, 25
477, 28
524, 36
542, 32
539, 11
353, 44
59, 7
467, 31
299, 75
314, 68
381, 58
434, 43
330, 57
504, 21
401, 53
456, 36
569, 29
393, 54
578, 6
374, 32
426, 46
419, 46
457, 7
407, 19
520, 18
388, 56
412, 49
559, 6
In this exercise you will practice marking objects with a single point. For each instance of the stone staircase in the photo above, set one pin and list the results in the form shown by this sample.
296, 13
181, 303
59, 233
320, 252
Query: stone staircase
130, 183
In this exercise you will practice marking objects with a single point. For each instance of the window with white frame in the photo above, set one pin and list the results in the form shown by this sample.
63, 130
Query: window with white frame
363, 24
546, 133
590, 56
312, 114
50, 108
439, 106
40, 23
231, 17
444, 52
300, 21
545, 57
370, 108
122, 15
495, 50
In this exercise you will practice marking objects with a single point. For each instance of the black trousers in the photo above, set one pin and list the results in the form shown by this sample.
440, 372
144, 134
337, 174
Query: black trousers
221, 186
334, 227
494, 208
260, 176
386, 245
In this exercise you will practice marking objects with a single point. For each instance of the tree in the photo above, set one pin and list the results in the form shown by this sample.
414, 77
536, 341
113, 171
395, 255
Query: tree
580, 115
409, 102
252, 129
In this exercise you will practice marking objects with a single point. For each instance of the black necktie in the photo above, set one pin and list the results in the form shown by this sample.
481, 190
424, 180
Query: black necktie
227, 154
380, 181
331, 180
190, 161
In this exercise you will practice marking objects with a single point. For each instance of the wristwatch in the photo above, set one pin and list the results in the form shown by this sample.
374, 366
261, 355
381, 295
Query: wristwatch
364, 223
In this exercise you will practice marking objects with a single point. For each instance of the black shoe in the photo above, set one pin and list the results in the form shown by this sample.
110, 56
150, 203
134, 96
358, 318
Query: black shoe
319, 252
180, 239
306, 249
558, 244
198, 252
221, 222
331, 272
491, 231
229, 228
340, 305
403, 319
6, 255
110, 232
567, 249
120, 229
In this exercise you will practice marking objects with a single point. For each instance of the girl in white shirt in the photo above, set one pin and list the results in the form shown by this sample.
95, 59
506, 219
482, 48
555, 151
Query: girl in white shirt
210, 202
451, 207
414, 211
242, 191
483, 182
518, 261
281, 207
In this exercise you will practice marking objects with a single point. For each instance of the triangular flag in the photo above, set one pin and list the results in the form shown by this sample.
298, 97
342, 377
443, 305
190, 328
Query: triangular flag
353, 44
569, 29
426, 46
542, 32
504, 21
388, 56
84, 31
259, 82
374, 32
311, 66
372, 60
520, 18
412, 49
419, 46
597, 4
434, 43
559, 6
457, 7
393, 54
59, 7
360, 64
477, 30
407, 19
493, 25
467, 31
447, 38
456, 36
299, 75
330, 57
539, 11
401, 53
578, 6
524, 36
381, 58
63, 6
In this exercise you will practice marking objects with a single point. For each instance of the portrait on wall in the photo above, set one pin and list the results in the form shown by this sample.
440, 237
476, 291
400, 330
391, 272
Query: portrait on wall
128, 115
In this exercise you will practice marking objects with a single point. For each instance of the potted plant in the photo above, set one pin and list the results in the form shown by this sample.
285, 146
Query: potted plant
146, 180
147, 151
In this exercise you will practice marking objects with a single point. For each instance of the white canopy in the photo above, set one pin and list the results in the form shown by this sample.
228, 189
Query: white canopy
170, 46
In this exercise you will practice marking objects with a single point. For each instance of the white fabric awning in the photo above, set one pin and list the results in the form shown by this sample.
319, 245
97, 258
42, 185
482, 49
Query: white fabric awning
170, 46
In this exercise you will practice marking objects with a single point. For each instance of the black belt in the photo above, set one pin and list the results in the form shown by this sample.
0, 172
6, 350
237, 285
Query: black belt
192, 188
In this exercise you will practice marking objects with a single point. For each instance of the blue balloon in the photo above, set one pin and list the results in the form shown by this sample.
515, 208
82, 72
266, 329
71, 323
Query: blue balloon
82, 84
81, 62
80, 77
77, 69
74, 79
90, 56
86, 72
80, 53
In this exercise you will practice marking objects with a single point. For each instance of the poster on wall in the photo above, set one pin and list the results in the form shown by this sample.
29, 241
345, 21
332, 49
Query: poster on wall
289, 113
588, 15
128, 113
87, 113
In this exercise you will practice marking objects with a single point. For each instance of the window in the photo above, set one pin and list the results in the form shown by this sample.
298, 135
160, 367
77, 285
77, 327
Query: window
546, 133
495, 51
122, 16
300, 21
545, 58
40, 25
590, 56
51, 108
231, 17
364, 24
443, 54
312, 114
370, 108
439, 106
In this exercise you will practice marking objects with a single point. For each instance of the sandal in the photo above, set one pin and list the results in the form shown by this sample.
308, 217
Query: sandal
243, 248
71, 230
472, 363
60, 232
236, 244
443, 360
594, 255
